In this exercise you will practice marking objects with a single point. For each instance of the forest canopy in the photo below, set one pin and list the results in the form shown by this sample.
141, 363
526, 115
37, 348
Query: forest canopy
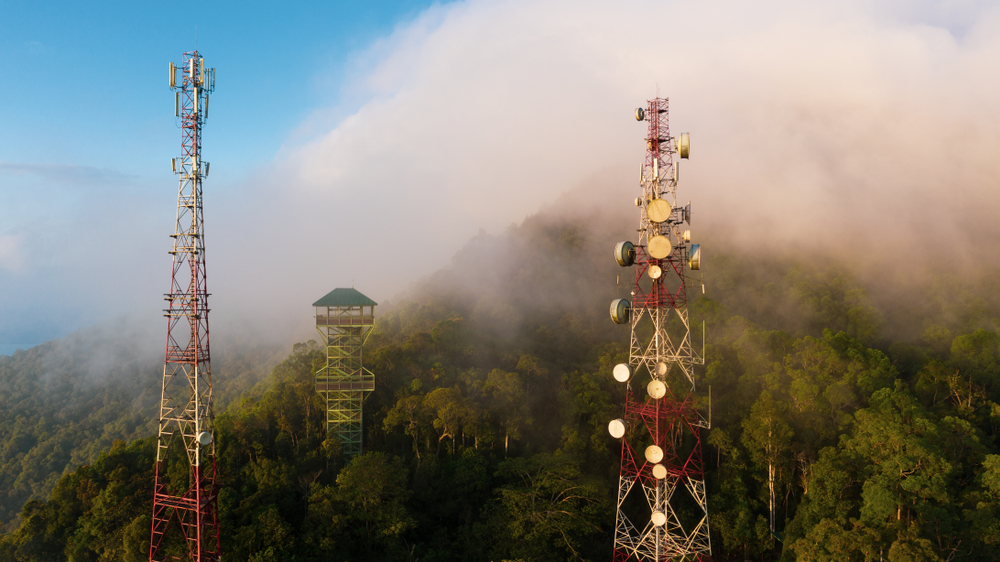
863, 423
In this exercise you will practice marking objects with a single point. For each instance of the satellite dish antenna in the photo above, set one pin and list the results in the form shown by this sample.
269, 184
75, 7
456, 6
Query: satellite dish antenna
684, 145
655, 271
625, 253
640, 114
620, 311
658, 518
659, 471
658, 210
694, 257
656, 389
205, 438
654, 454
622, 372
617, 429
660, 247
662, 368
686, 236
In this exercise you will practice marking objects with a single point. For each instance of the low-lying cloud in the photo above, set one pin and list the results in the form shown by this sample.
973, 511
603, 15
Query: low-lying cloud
66, 174
862, 130
865, 131
10, 252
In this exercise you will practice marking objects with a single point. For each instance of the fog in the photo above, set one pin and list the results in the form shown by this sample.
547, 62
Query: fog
861, 131
866, 133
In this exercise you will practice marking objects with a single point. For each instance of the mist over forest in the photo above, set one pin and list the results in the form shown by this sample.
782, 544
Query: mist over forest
860, 130
493, 393
843, 182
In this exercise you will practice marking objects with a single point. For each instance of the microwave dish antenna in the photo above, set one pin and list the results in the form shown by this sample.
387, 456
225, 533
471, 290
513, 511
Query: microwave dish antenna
659, 210
622, 372
617, 429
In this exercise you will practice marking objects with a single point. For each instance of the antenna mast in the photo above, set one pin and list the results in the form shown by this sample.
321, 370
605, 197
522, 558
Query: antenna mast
185, 513
662, 510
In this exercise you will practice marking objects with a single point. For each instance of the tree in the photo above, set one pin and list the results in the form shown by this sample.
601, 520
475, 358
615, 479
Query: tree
450, 410
547, 508
768, 438
412, 414
508, 404
373, 489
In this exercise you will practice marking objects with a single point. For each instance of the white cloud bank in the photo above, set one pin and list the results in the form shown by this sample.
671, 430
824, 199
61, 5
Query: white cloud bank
10, 252
854, 127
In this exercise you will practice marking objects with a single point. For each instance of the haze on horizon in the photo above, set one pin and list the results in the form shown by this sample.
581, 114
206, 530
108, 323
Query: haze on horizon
862, 130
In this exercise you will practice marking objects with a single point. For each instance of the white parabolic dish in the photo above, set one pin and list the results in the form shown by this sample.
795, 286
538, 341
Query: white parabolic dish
622, 372
659, 246
658, 210
656, 389
617, 429
654, 453
658, 518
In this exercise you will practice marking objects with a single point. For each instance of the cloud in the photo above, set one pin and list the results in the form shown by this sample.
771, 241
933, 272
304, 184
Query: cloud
859, 129
10, 252
67, 174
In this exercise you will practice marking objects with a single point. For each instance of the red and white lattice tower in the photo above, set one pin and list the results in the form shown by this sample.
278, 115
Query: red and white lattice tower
662, 511
185, 514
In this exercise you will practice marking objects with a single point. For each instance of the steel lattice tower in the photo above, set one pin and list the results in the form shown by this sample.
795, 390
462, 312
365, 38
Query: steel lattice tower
662, 510
344, 319
185, 514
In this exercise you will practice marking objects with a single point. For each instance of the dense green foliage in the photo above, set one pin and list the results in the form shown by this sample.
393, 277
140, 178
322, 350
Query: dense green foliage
64, 402
486, 435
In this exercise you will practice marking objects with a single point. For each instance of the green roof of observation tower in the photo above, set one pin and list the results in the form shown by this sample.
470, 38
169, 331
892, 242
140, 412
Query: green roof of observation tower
345, 297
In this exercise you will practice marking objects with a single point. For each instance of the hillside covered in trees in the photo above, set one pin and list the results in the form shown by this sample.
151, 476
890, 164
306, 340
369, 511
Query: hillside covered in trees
876, 414
64, 402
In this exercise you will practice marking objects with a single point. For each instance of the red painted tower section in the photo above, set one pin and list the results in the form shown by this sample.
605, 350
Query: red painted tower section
185, 513
662, 510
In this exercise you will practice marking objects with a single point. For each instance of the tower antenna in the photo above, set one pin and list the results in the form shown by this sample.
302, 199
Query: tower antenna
662, 509
185, 511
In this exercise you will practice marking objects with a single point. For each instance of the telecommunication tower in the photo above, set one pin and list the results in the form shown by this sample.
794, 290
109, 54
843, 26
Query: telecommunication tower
344, 318
662, 509
185, 514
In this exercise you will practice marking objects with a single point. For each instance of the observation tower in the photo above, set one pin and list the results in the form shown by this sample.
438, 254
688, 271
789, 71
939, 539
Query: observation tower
344, 319
185, 513
662, 511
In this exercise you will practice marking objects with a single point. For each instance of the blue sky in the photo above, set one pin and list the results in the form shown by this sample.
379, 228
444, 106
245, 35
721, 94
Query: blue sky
365, 143
85, 83
85, 105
